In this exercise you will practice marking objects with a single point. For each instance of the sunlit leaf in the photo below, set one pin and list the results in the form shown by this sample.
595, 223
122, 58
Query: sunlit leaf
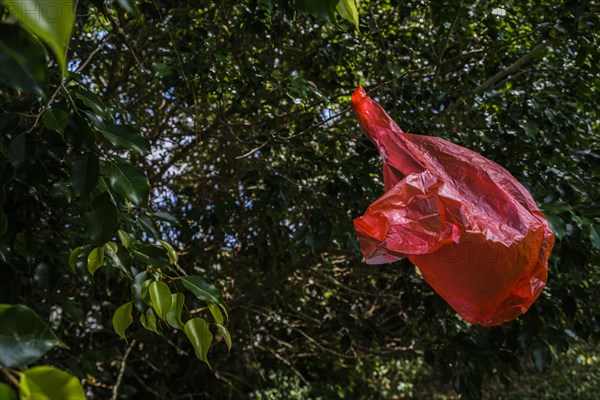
122, 319
173, 316
6, 392
149, 321
347, 10
95, 259
200, 336
173, 256
50, 20
226, 335
49, 383
124, 238
216, 312
161, 298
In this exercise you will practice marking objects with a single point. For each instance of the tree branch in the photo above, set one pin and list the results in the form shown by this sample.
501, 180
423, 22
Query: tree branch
117, 385
502, 74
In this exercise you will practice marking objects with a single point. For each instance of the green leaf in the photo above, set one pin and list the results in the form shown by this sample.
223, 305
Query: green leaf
50, 20
49, 383
124, 238
148, 321
557, 225
95, 259
23, 63
173, 316
347, 10
200, 336
173, 256
152, 255
103, 220
137, 289
216, 312
148, 226
111, 251
541, 356
160, 295
202, 289
122, 319
594, 237
73, 258
323, 9
226, 335
24, 336
126, 137
6, 392
85, 174
55, 119
130, 182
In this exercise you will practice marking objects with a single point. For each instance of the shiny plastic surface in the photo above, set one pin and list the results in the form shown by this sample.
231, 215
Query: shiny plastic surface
472, 229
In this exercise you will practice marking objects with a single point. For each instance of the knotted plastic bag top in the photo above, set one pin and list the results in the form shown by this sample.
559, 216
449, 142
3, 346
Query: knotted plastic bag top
471, 228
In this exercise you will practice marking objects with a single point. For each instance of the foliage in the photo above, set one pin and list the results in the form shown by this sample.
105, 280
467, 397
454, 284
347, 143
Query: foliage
211, 141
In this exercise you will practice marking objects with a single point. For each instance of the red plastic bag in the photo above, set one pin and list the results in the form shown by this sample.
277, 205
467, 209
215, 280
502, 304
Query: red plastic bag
472, 229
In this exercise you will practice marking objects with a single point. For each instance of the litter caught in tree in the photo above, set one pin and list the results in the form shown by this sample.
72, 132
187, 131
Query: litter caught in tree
472, 229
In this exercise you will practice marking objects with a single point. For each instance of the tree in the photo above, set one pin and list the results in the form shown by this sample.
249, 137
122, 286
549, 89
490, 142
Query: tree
215, 140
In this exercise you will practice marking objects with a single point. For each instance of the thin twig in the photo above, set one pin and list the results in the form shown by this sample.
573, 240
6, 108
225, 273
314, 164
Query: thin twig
94, 52
500, 75
117, 386
254, 150
446, 42
10, 377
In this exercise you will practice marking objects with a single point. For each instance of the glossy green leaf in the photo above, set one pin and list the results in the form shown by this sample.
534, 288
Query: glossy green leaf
6, 392
23, 63
85, 174
594, 237
95, 259
226, 335
149, 321
124, 238
202, 289
348, 10
73, 257
541, 356
130, 182
148, 226
161, 298
111, 251
49, 383
103, 220
50, 20
200, 336
126, 137
152, 255
55, 119
122, 318
173, 316
216, 312
24, 336
173, 256
137, 291
323, 9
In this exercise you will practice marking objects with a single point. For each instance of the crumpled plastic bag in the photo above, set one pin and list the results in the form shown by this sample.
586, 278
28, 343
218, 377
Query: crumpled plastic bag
471, 228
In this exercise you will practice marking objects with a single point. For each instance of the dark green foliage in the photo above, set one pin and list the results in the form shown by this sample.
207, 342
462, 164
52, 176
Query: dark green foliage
224, 129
